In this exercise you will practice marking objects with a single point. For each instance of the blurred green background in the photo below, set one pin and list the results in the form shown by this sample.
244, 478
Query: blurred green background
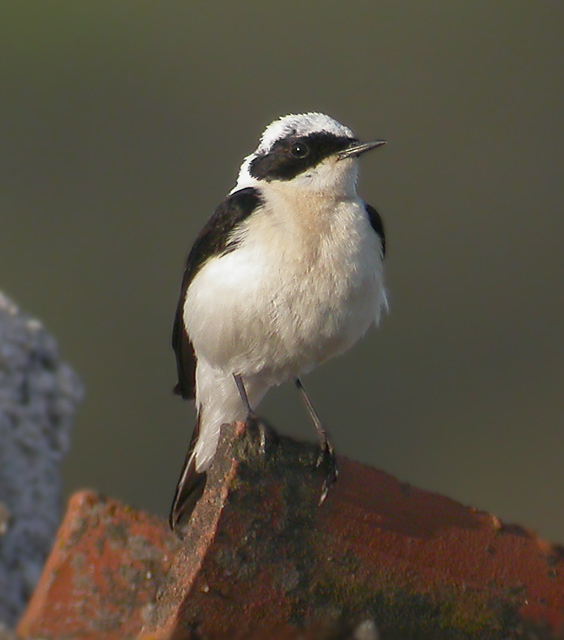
122, 126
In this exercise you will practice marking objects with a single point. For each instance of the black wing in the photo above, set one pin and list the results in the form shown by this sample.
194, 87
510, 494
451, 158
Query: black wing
377, 225
189, 488
213, 240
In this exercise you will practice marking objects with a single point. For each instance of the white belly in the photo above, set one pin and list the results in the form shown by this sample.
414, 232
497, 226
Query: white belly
277, 307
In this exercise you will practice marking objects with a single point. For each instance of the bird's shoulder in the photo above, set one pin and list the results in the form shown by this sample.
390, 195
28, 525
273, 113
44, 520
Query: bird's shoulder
377, 224
214, 239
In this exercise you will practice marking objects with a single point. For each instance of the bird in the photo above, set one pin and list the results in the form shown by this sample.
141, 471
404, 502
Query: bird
287, 273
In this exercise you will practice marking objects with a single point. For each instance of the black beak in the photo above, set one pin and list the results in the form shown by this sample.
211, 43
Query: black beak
359, 147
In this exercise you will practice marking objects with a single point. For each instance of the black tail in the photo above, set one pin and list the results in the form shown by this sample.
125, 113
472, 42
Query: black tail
189, 488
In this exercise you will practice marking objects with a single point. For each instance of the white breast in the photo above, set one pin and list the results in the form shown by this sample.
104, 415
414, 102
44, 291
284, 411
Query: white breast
298, 289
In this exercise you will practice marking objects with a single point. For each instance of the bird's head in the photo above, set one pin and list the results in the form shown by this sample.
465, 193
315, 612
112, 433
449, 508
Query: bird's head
309, 151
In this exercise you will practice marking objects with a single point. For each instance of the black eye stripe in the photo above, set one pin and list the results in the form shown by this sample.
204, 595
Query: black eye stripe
281, 163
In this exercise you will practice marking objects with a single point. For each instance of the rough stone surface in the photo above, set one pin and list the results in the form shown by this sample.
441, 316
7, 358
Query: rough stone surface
38, 398
101, 579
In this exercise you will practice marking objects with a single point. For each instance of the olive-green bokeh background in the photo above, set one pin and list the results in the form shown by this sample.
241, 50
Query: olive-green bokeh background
122, 125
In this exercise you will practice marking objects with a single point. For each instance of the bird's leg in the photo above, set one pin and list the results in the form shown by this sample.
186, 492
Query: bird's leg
243, 393
253, 421
327, 452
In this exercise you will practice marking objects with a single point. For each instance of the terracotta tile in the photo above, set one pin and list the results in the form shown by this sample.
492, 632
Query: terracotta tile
261, 559
102, 576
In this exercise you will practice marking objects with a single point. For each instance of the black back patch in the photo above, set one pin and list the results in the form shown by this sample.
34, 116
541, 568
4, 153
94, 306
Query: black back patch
295, 154
214, 239
377, 225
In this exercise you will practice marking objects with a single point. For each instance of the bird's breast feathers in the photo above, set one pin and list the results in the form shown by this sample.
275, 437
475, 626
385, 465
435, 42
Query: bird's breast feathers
294, 292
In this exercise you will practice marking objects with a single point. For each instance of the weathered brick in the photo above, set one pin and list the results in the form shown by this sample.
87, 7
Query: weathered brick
102, 577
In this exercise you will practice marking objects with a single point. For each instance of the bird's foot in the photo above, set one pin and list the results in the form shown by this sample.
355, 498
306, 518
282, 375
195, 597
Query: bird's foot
260, 431
328, 461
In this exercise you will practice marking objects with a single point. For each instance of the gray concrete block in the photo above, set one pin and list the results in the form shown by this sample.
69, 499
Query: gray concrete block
38, 398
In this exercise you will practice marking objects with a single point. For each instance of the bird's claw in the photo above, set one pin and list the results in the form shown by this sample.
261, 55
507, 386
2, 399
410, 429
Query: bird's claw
328, 460
259, 430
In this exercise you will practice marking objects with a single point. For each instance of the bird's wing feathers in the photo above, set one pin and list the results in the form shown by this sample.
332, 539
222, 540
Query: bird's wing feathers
190, 486
377, 225
183, 349
213, 240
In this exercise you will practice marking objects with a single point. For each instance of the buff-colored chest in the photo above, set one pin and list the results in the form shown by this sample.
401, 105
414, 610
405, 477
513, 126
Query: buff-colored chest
304, 284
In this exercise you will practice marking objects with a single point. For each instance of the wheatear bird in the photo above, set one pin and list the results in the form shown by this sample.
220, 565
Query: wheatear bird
287, 273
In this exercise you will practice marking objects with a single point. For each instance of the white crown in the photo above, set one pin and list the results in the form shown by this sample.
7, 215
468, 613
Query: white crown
300, 124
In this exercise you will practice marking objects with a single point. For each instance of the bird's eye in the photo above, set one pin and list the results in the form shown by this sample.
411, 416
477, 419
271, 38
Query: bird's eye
299, 150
